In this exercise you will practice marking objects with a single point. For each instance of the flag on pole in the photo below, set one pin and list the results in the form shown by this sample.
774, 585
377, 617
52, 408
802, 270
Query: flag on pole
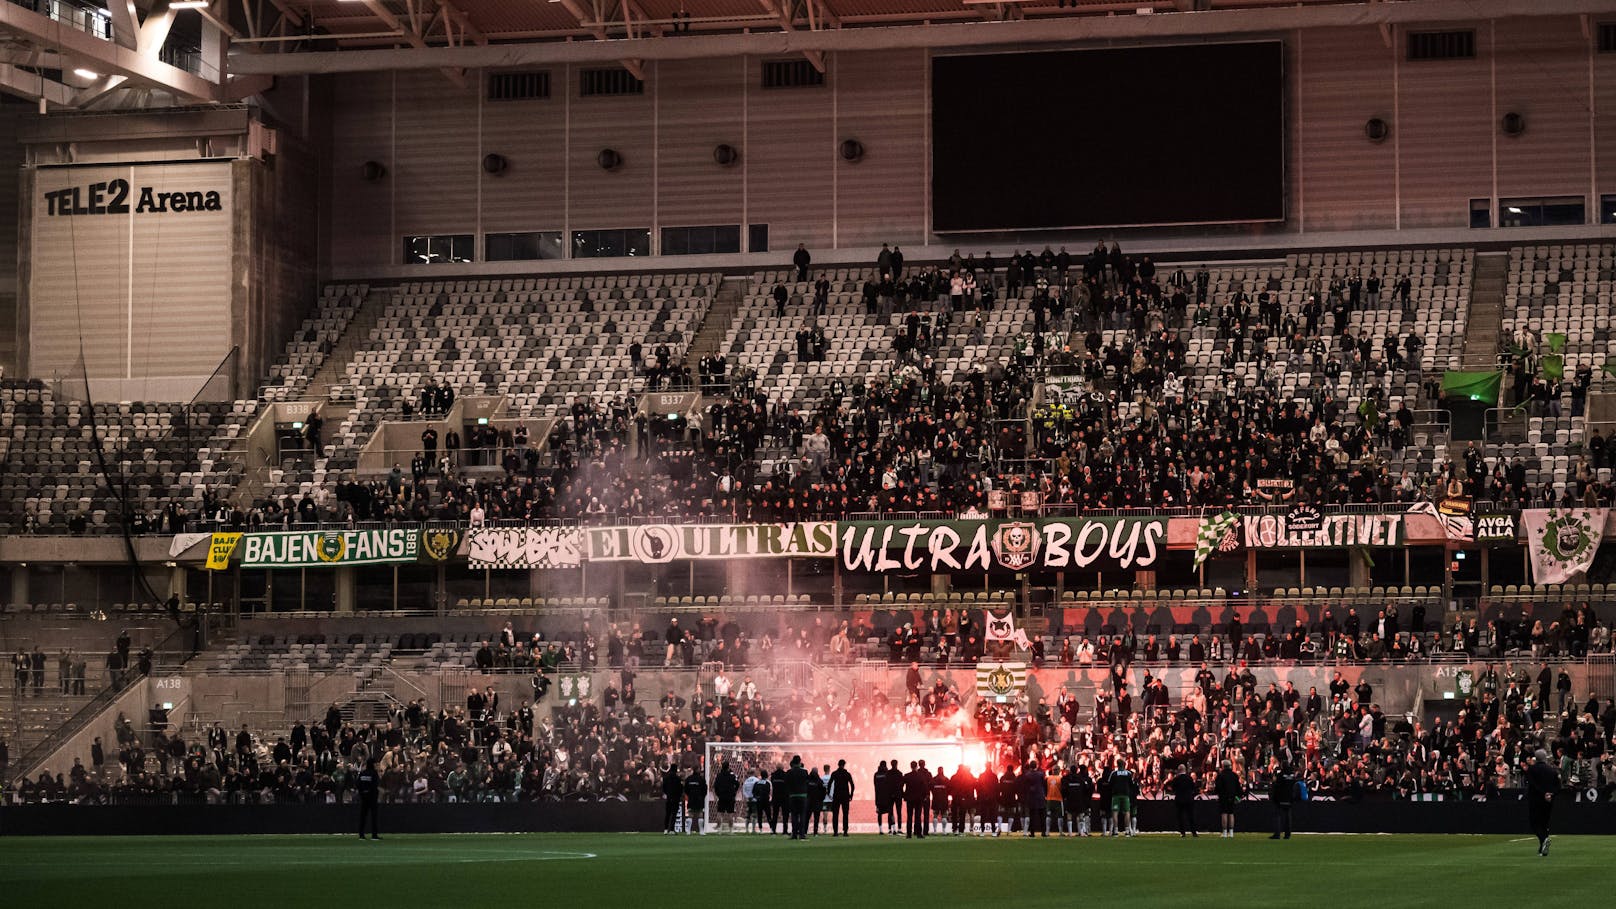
1210, 535
1554, 366
1556, 341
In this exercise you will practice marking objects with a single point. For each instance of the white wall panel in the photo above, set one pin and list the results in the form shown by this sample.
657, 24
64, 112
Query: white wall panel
1445, 130
1543, 75
881, 102
791, 141
144, 293
531, 135
700, 106
435, 158
359, 211
1340, 79
623, 197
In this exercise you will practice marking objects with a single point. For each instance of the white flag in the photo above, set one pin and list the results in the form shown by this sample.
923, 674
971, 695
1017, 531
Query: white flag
1562, 542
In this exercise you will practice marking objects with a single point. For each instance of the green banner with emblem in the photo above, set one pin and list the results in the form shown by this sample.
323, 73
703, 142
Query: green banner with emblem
329, 548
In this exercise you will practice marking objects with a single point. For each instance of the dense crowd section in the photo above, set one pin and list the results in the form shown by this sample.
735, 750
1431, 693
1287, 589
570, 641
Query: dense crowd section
578, 744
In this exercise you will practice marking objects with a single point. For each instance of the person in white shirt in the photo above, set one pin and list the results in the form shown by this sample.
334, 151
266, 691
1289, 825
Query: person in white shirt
477, 515
721, 686
747, 786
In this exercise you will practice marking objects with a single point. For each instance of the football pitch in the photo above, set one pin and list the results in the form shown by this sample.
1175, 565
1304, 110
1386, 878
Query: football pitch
650, 870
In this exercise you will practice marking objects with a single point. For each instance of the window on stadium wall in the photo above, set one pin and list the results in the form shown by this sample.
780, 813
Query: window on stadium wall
463, 584
1389, 570
814, 577
319, 589
1230, 574
418, 587
1425, 565
373, 587
1278, 569
1327, 568
1507, 565
1175, 569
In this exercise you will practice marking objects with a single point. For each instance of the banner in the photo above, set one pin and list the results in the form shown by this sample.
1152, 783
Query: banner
1562, 542
1000, 682
1497, 528
439, 544
1456, 505
1456, 527
316, 548
219, 550
1107, 544
184, 541
1002, 628
653, 544
524, 547
1475, 384
1275, 532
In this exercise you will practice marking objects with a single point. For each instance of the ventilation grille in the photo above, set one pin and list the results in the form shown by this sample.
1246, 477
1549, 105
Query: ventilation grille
1455, 45
599, 82
527, 86
791, 74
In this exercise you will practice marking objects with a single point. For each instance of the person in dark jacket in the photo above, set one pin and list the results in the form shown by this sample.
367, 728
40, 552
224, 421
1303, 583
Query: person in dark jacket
1283, 795
1183, 788
917, 798
1229, 792
673, 796
1077, 796
1542, 784
777, 807
796, 787
987, 801
695, 787
1034, 789
816, 799
369, 785
961, 792
884, 802
841, 797
725, 787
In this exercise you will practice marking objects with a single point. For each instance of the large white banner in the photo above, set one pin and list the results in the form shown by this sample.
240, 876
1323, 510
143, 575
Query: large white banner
1562, 541
654, 544
524, 547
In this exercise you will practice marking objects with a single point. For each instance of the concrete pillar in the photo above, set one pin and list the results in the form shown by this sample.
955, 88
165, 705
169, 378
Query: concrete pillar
1357, 570
19, 584
345, 589
176, 583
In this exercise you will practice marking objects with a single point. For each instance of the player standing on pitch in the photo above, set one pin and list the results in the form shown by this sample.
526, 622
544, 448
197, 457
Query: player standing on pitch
1542, 782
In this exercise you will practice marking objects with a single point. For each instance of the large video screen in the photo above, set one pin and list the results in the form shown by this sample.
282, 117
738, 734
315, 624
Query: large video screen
1187, 134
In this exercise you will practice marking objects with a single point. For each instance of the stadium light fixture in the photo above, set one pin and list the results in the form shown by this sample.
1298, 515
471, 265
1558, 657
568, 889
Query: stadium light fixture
189, 4
83, 73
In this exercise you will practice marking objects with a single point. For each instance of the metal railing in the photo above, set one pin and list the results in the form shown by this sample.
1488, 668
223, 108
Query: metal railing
97, 22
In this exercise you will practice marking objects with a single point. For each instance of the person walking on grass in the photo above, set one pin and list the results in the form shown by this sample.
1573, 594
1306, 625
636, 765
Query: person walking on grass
1542, 783
1123, 792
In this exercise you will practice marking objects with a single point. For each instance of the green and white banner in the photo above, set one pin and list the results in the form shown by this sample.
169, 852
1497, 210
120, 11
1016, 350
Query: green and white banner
1562, 541
329, 548
1053, 544
654, 544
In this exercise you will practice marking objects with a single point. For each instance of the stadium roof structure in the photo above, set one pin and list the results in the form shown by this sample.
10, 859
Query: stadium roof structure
83, 53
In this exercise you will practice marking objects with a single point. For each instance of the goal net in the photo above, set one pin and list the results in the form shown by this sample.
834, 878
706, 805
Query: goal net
862, 760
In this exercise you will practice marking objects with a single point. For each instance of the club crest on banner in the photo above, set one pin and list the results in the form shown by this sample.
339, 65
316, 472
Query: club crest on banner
439, 545
332, 547
1016, 545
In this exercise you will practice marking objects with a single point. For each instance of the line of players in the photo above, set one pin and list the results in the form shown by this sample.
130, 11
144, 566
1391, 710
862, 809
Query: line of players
793, 799
919, 803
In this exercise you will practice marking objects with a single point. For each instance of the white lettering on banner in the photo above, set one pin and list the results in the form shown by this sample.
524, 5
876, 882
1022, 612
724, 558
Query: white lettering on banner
936, 546
1272, 532
659, 543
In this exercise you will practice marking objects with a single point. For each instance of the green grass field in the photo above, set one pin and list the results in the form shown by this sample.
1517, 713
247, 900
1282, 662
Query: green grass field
653, 871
